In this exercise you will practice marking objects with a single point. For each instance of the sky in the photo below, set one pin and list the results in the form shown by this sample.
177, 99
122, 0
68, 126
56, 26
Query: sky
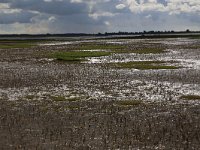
94, 16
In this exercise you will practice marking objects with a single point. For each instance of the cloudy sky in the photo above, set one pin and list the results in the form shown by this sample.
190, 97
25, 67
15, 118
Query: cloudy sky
93, 16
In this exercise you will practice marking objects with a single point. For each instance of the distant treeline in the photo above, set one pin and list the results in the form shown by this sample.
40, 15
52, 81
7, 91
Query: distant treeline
149, 32
144, 33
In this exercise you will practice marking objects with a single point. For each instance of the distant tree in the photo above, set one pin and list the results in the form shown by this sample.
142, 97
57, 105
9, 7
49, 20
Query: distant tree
151, 32
187, 30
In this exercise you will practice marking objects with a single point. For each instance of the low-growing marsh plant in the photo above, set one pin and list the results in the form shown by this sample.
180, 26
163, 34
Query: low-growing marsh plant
58, 98
192, 47
194, 37
78, 55
129, 102
144, 65
30, 97
160, 123
16, 45
190, 97
73, 99
22, 43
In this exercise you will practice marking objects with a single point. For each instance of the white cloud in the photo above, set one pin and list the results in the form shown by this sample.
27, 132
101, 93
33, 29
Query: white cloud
107, 23
52, 18
4, 6
171, 6
101, 14
76, 1
148, 16
120, 6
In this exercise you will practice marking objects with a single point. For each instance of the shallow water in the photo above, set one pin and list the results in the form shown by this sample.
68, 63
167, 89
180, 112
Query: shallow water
96, 79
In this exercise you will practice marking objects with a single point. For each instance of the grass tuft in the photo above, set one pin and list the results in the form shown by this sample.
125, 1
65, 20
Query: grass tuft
10, 45
58, 98
190, 97
30, 97
77, 55
144, 65
129, 102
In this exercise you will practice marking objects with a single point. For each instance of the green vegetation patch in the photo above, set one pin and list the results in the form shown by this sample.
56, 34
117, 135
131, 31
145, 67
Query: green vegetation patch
16, 45
118, 48
190, 97
192, 47
78, 55
129, 102
73, 107
30, 97
194, 37
8, 44
144, 65
21, 43
58, 98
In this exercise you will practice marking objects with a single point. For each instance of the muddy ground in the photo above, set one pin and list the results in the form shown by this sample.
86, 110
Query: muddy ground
50, 104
